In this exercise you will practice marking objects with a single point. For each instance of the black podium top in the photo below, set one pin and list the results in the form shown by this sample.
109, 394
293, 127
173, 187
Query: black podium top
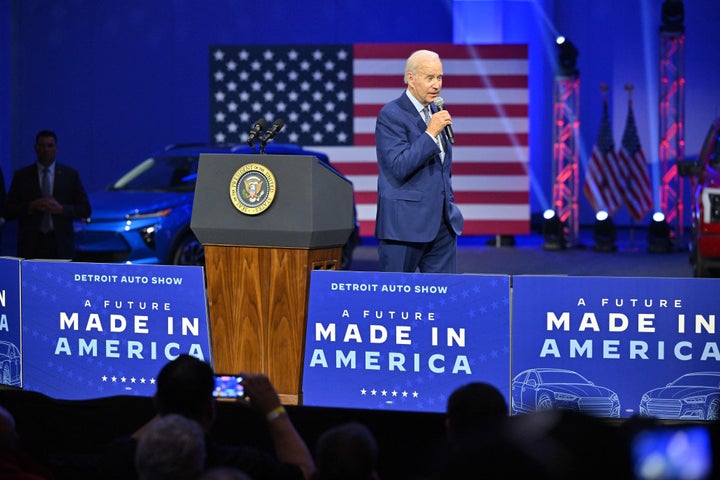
300, 202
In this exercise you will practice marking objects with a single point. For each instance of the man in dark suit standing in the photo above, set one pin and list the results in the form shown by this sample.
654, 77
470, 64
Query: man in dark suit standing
417, 220
45, 198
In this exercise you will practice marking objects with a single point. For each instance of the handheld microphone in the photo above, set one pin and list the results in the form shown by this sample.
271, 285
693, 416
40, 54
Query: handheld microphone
273, 130
255, 130
440, 104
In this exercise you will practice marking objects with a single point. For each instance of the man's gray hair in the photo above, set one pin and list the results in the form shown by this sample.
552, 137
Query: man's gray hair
172, 448
413, 61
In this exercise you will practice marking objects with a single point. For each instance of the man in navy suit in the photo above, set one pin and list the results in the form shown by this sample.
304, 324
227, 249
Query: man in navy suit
45, 198
417, 221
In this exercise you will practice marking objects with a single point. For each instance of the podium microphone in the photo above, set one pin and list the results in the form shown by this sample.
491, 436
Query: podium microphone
255, 130
273, 130
440, 104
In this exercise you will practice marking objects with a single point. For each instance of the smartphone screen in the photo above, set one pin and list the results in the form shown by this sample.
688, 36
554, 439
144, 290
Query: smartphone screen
228, 387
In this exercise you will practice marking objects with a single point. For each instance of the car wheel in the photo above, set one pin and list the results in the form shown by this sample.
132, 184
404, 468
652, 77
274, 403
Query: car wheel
713, 412
544, 402
188, 251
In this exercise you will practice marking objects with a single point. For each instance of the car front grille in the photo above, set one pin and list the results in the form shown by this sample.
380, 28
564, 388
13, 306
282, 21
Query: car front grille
597, 406
664, 408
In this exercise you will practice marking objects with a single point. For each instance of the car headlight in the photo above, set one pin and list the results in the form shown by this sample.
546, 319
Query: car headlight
645, 398
156, 214
714, 208
565, 397
148, 235
696, 399
710, 205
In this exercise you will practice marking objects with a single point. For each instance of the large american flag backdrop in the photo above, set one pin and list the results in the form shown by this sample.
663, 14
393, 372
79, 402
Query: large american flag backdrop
329, 97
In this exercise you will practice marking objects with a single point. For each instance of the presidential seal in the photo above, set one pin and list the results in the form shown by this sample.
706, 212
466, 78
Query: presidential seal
252, 188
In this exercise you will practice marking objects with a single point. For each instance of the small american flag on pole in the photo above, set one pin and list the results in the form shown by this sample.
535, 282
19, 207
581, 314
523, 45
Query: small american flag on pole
637, 191
329, 97
602, 181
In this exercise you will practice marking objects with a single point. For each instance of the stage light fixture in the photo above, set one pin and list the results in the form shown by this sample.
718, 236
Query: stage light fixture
672, 16
604, 232
567, 57
553, 231
658, 239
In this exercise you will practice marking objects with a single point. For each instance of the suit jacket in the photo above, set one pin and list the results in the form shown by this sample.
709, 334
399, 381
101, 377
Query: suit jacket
68, 190
414, 188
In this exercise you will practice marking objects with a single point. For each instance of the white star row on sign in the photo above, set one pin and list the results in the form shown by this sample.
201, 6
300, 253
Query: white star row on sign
124, 379
384, 393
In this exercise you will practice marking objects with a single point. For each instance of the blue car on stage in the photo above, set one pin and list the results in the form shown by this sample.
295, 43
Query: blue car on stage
144, 216
694, 396
553, 388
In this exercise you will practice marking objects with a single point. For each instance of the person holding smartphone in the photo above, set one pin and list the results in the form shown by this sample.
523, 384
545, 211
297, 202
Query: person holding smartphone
185, 386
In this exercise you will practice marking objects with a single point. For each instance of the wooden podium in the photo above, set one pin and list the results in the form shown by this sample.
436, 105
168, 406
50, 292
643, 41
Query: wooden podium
258, 260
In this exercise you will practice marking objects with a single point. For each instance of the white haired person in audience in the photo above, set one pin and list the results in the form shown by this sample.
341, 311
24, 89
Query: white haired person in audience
171, 448
185, 386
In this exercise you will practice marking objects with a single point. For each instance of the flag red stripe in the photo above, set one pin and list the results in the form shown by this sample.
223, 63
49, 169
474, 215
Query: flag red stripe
458, 168
603, 173
461, 110
471, 227
477, 197
506, 227
446, 51
638, 191
454, 81
493, 198
482, 139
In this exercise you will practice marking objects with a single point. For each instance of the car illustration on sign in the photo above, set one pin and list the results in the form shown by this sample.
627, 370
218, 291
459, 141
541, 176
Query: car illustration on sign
553, 388
694, 396
10, 364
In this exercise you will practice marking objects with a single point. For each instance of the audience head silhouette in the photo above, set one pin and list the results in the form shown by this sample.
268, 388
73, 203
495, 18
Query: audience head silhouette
474, 405
8, 434
347, 452
224, 473
185, 386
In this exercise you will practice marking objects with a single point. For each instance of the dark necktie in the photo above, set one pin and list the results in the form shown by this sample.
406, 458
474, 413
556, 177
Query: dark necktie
46, 223
426, 115
441, 137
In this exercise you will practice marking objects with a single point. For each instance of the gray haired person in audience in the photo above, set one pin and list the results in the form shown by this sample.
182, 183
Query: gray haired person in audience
185, 386
171, 448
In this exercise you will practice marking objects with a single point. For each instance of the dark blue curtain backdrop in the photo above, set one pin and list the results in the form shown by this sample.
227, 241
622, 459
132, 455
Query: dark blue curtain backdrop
117, 80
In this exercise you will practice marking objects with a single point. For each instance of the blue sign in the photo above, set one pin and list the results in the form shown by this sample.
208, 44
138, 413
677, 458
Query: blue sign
10, 325
95, 330
616, 347
399, 341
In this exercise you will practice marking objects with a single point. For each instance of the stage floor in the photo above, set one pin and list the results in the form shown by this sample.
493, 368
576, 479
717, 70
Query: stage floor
527, 257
